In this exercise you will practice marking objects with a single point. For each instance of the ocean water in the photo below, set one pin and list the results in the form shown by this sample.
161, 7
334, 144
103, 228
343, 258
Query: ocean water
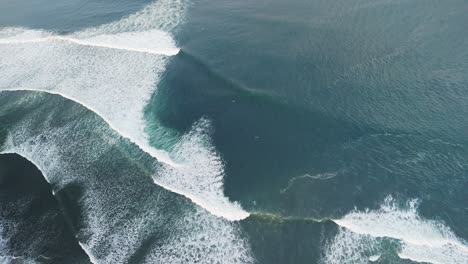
199, 131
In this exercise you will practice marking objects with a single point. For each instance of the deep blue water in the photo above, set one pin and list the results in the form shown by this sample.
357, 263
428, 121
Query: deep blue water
302, 131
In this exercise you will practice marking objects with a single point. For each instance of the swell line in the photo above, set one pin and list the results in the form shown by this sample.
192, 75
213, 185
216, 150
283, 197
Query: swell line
160, 155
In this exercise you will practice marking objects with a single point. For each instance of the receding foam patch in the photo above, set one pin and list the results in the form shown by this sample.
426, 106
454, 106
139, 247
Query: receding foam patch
113, 70
421, 240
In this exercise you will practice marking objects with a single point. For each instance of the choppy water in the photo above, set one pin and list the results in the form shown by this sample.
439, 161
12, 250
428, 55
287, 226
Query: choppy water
179, 131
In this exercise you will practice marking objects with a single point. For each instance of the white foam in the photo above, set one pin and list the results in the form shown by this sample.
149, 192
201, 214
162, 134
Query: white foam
115, 83
421, 239
201, 176
104, 74
374, 258
349, 248
201, 238
116, 218
151, 41
443, 254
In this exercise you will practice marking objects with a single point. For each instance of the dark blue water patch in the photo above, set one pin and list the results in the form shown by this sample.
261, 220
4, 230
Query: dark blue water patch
31, 218
391, 65
321, 76
65, 16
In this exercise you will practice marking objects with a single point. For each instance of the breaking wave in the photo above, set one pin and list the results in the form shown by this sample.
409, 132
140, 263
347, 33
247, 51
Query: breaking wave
362, 234
113, 70
120, 215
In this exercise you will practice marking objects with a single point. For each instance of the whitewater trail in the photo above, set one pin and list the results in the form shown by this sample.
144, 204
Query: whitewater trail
118, 223
422, 240
113, 70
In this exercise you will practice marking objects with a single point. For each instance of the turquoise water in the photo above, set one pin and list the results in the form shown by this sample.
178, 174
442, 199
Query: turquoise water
177, 131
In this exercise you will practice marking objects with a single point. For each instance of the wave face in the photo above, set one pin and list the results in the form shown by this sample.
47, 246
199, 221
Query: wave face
104, 184
363, 234
113, 70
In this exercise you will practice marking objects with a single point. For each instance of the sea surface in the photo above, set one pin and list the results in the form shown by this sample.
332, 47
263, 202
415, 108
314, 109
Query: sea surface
246, 131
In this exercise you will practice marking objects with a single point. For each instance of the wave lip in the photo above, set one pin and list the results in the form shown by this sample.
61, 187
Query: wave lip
151, 41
